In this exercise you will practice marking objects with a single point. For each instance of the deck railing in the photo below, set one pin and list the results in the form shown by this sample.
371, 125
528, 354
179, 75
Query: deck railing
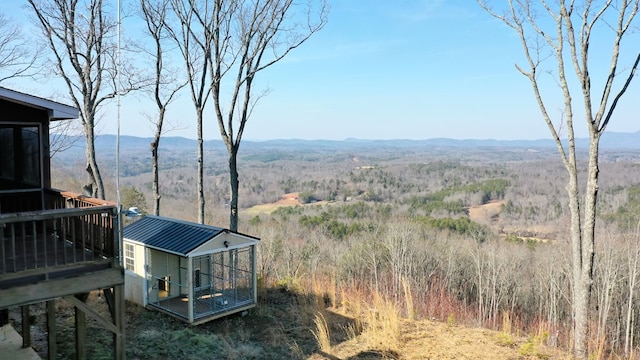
72, 229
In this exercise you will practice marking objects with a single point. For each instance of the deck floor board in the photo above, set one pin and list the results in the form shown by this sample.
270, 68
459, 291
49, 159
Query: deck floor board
11, 345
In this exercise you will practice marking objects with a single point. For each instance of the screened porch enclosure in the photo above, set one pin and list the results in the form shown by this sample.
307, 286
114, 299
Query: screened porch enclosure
200, 288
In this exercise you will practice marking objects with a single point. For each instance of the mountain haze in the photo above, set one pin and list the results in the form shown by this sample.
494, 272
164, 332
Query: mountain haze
106, 143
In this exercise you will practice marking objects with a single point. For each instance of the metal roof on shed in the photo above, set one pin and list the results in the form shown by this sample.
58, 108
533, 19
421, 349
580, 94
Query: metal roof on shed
170, 235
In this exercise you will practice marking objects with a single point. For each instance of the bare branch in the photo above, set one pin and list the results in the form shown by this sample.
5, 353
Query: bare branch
632, 73
63, 136
17, 55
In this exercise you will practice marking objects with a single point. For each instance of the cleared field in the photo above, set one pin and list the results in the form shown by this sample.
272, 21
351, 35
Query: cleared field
483, 214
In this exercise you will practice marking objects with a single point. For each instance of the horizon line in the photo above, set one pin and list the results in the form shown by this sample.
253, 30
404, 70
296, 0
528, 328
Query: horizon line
370, 139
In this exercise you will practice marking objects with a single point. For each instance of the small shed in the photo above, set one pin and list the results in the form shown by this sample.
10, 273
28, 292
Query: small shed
193, 272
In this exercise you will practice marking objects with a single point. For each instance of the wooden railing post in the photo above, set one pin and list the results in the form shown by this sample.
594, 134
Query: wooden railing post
41, 239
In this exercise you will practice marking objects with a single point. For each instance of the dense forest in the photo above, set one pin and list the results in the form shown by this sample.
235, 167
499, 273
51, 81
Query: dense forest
475, 234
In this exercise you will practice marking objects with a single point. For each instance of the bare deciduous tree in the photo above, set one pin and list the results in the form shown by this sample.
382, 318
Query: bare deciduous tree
398, 241
248, 37
81, 37
230, 42
194, 37
568, 42
166, 82
17, 55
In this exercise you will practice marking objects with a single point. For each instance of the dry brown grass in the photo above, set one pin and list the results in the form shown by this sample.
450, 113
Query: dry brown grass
408, 299
379, 332
321, 333
426, 339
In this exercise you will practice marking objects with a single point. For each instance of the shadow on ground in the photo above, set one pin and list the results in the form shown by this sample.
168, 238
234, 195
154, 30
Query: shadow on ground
280, 327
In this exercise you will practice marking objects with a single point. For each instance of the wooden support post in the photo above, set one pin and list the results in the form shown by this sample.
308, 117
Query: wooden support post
106, 322
118, 320
108, 297
51, 330
81, 334
4, 317
26, 327
115, 300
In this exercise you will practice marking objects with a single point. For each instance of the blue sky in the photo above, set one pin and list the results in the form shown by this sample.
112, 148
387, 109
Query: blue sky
403, 69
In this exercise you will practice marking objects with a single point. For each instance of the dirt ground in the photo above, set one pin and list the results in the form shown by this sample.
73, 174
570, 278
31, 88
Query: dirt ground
489, 214
486, 214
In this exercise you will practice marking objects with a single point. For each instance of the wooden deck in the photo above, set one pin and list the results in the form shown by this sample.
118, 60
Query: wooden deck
52, 253
52, 238
11, 345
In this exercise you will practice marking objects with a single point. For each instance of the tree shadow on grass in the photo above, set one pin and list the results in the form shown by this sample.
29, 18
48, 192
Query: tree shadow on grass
282, 324
279, 327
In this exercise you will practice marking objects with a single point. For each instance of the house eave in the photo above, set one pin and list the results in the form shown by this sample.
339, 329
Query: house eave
56, 110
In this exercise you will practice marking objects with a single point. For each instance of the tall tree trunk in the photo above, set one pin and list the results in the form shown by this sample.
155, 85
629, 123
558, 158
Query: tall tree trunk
154, 169
579, 312
583, 244
632, 266
201, 200
586, 251
234, 185
95, 185
166, 82
195, 49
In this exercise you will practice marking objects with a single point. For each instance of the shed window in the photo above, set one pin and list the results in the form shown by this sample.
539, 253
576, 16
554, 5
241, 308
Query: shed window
129, 261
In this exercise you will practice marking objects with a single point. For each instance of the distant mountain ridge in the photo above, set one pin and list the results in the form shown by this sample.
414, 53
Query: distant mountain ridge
106, 143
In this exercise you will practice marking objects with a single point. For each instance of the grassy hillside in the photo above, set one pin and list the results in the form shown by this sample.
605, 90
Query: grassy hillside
290, 324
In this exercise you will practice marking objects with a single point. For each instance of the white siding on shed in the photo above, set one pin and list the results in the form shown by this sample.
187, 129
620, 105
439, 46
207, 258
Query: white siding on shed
135, 281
